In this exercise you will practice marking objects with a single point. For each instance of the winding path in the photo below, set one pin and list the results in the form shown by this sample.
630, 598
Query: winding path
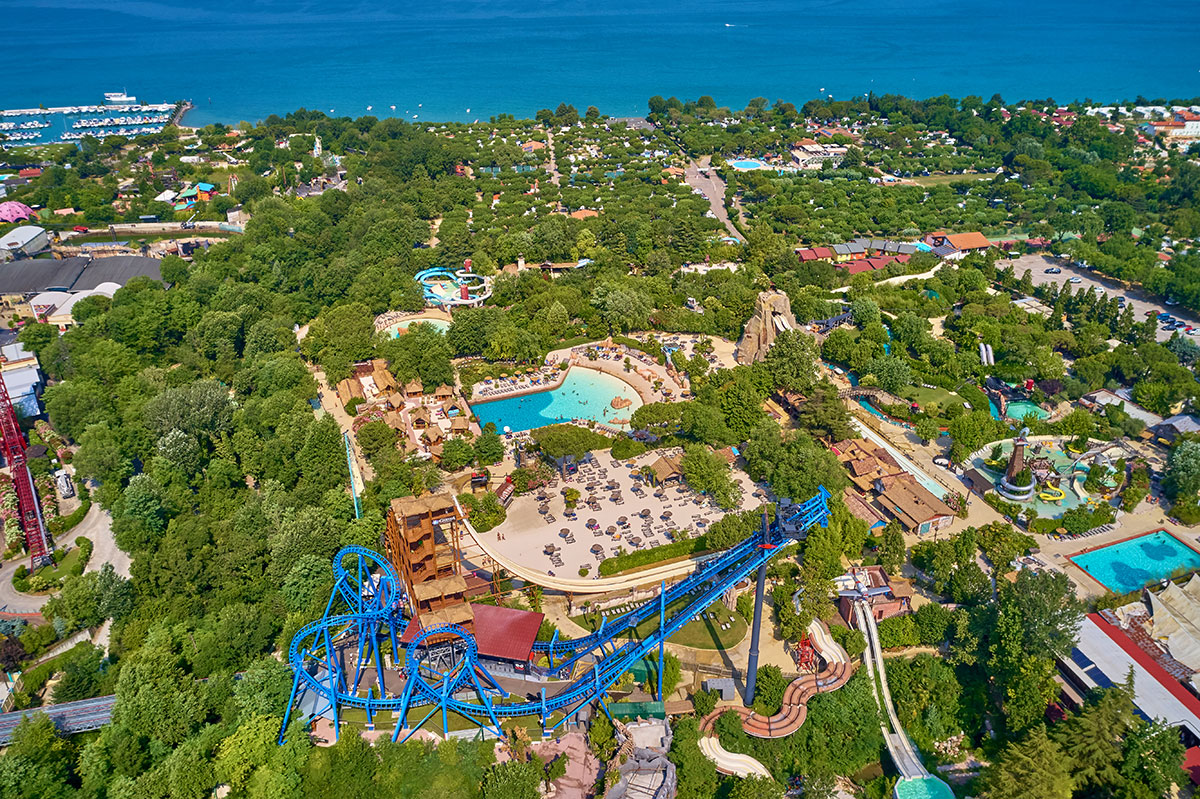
838, 670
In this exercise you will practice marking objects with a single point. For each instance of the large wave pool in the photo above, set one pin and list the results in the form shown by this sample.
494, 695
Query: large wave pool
584, 394
1134, 563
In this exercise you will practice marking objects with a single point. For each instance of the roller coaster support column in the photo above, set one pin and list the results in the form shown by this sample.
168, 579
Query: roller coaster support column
752, 662
662, 626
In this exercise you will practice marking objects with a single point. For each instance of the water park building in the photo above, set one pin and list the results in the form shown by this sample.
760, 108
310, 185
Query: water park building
423, 537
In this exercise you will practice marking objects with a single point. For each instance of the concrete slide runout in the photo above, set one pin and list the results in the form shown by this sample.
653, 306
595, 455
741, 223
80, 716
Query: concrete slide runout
790, 717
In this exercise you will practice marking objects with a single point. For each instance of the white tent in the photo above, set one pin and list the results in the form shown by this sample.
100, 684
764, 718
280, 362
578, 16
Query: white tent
1176, 621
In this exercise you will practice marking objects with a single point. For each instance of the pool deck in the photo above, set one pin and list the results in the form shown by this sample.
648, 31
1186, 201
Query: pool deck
389, 318
525, 532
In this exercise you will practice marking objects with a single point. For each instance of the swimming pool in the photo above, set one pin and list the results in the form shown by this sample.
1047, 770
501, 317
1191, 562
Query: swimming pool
584, 394
1017, 411
1131, 564
923, 788
747, 164
441, 325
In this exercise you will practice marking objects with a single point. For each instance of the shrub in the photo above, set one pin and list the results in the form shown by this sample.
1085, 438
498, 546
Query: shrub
643, 557
932, 620
66, 523
851, 640
705, 702
898, 631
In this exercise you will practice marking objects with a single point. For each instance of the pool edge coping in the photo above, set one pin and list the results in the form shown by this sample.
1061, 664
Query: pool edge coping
1071, 558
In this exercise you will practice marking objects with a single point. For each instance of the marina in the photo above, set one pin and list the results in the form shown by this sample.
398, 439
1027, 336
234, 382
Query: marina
122, 115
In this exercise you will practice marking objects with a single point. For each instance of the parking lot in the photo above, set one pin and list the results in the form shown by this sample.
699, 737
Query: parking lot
1139, 300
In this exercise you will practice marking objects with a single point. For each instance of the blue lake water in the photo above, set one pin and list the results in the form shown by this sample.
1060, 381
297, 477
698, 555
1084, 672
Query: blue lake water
239, 60
1130, 565
585, 394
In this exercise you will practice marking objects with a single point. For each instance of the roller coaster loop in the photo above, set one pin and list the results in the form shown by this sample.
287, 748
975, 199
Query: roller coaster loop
441, 667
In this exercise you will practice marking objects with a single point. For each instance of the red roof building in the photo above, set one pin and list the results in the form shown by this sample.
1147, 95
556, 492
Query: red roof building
506, 633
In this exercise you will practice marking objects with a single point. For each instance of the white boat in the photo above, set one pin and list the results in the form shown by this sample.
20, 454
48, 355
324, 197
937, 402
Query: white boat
119, 97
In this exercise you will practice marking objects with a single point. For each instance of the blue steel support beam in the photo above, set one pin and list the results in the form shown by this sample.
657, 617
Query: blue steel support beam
373, 608
759, 587
662, 629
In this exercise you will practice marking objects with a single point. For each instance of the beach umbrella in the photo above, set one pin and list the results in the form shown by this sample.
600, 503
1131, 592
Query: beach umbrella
666, 514
614, 496
548, 549
701, 522
566, 531
612, 529
597, 548
623, 520
592, 523
543, 509
645, 514
636, 541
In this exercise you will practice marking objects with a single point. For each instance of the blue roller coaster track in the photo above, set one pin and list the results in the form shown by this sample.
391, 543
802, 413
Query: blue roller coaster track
441, 666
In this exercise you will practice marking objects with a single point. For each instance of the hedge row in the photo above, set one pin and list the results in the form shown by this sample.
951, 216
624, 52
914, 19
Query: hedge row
644, 557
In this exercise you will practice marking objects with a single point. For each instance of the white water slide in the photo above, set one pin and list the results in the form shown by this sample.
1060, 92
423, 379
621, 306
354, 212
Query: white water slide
903, 753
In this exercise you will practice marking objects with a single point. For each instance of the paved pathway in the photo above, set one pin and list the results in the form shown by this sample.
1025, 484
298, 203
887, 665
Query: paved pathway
713, 189
898, 279
97, 525
554, 176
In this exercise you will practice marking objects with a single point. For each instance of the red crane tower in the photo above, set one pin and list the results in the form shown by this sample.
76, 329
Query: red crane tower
13, 444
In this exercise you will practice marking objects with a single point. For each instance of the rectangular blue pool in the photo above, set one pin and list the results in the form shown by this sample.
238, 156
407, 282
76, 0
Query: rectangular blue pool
1134, 563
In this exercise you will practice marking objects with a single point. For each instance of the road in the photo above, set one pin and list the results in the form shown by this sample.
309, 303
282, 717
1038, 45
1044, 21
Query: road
713, 188
554, 176
1139, 300
96, 525
898, 279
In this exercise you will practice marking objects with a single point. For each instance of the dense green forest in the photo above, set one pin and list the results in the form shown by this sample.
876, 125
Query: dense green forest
189, 402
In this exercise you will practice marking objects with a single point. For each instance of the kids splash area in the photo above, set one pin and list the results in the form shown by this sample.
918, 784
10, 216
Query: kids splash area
445, 288
1047, 474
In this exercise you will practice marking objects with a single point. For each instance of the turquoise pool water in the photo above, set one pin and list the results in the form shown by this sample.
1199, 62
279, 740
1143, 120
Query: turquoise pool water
1129, 565
746, 163
925, 788
585, 394
439, 324
1018, 410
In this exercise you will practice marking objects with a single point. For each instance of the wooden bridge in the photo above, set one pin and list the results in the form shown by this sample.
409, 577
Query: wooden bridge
872, 393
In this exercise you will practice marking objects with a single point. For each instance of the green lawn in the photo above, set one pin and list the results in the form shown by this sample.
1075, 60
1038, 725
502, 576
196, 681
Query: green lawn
61, 570
924, 396
703, 634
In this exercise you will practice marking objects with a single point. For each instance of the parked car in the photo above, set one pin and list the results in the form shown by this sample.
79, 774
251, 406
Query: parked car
80, 228
65, 486
1075, 280
1053, 270
1172, 301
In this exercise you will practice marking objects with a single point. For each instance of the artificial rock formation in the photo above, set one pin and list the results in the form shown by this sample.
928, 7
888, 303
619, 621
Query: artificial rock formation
760, 331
